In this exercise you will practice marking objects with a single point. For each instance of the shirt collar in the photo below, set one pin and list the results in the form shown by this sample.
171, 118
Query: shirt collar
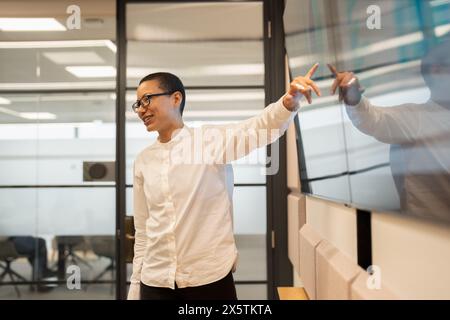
176, 136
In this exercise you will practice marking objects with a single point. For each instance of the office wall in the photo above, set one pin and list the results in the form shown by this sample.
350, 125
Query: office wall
335, 223
413, 255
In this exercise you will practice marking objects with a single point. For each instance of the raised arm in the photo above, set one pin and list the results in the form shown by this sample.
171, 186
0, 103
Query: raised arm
227, 143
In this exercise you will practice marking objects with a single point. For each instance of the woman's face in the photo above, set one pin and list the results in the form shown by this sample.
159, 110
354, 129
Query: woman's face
162, 110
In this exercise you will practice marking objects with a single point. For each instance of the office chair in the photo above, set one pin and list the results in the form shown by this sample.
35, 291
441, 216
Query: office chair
8, 254
69, 243
104, 246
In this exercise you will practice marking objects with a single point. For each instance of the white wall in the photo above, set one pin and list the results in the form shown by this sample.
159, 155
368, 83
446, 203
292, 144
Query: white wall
413, 256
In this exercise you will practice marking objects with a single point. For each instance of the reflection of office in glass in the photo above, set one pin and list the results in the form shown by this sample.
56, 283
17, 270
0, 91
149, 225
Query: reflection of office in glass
376, 153
374, 176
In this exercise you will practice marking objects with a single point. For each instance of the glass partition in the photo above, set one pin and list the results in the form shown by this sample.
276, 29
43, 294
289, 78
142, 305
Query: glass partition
220, 62
396, 140
308, 40
57, 129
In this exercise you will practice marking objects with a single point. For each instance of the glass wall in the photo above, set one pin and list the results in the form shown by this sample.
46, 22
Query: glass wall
220, 62
308, 40
57, 144
390, 152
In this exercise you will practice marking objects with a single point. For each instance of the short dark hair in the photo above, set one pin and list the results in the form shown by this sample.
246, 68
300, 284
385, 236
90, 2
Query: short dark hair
168, 82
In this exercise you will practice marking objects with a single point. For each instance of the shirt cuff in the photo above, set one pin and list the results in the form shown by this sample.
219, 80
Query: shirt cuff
281, 112
134, 292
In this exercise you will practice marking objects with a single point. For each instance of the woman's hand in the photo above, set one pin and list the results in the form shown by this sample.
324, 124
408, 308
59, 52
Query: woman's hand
299, 87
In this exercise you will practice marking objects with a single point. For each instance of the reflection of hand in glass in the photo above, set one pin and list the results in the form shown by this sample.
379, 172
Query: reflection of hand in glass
350, 90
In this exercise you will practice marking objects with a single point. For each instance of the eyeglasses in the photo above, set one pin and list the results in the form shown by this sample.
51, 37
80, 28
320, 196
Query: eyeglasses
146, 99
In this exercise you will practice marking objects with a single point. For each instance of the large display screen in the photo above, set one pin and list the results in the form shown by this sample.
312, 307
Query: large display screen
390, 151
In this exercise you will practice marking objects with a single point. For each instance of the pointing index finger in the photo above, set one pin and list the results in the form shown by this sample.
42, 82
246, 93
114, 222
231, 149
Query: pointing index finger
312, 70
333, 69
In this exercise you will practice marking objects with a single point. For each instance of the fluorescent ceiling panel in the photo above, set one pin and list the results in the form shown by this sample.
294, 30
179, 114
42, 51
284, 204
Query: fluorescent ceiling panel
436, 3
29, 115
74, 57
58, 44
4, 101
220, 113
37, 115
30, 24
442, 30
92, 71
231, 96
106, 85
201, 71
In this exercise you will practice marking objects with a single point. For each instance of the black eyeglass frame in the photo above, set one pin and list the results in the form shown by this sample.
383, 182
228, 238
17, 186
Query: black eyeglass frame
149, 97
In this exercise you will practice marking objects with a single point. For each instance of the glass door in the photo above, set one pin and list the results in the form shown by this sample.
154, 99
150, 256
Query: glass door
216, 49
57, 150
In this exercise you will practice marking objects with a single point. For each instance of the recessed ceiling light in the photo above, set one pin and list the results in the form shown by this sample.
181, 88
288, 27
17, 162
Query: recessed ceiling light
37, 115
442, 30
232, 96
219, 113
201, 71
106, 85
58, 44
384, 45
232, 69
128, 97
30, 24
74, 57
92, 71
4, 101
436, 3
9, 111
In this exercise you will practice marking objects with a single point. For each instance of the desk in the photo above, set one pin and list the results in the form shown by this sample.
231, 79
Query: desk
292, 293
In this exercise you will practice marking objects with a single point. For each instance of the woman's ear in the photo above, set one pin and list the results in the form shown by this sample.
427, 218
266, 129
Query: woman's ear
178, 97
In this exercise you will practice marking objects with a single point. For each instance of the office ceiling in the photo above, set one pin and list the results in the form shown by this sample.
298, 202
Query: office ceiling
194, 41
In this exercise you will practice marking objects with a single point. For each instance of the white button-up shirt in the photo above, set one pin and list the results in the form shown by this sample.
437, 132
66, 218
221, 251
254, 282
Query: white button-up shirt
183, 207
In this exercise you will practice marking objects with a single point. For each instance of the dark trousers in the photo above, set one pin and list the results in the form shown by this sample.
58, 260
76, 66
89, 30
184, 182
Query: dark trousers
36, 252
223, 289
